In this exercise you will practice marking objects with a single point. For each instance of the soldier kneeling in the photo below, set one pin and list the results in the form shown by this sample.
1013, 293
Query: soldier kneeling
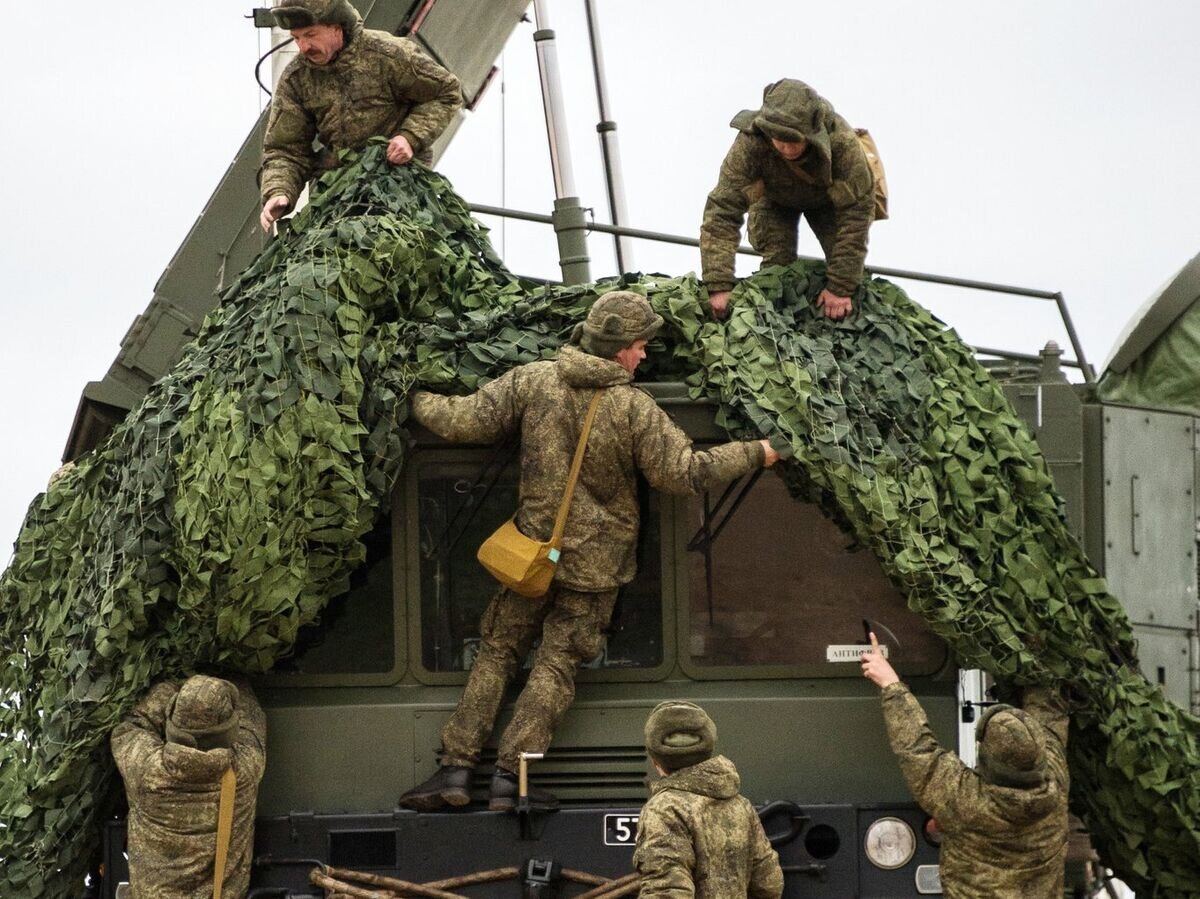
175, 750
697, 835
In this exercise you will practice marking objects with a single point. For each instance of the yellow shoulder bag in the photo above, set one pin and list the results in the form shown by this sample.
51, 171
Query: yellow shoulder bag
522, 564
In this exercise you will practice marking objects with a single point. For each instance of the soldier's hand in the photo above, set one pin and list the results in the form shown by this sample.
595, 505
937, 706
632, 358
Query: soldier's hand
833, 306
718, 302
876, 668
400, 151
770, 454
272, 210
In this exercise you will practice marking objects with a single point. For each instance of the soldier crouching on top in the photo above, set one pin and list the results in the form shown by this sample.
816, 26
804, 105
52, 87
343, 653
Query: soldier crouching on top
697, 836
545, 402
1004, 824
794, 156
347, 85
173, 750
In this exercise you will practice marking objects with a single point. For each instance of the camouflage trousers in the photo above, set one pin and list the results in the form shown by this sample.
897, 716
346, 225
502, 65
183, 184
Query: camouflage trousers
571, 625
774, 231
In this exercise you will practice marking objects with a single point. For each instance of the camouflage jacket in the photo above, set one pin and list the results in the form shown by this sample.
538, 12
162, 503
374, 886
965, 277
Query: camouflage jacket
999, 842
378, 85
831, 174
547, 402
698, 837
174, 793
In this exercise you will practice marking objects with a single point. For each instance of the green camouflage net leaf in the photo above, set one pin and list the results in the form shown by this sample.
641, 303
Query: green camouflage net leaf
230, 506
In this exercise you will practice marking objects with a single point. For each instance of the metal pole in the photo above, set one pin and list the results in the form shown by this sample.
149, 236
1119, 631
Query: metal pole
1089, 375
610, 151
1080, 361
570, 224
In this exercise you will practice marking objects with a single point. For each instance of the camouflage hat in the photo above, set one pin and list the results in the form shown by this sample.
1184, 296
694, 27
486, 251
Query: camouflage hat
1010, 754
778, 117
616, 320
293, 14
204, 713
679, 734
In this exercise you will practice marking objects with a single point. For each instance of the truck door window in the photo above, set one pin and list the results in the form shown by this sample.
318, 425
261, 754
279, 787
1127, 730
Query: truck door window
779, 583
456, 511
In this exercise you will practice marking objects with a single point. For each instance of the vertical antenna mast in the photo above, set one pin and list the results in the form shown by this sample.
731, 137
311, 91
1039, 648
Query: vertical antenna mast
569, 222
610, 151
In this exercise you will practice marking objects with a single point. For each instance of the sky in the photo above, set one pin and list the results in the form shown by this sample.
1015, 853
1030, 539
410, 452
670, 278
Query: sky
1046, 144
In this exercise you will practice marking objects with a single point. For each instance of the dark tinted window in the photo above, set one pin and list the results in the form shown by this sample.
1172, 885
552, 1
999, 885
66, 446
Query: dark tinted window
780, 583
456, 511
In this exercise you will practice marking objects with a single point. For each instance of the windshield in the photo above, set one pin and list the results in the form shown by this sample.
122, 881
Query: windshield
780, 584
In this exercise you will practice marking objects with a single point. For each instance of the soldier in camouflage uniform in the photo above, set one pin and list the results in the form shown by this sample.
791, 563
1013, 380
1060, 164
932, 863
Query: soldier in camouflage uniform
793, 156
546, 402
697, 836
347, 85
172, 749
1004, 824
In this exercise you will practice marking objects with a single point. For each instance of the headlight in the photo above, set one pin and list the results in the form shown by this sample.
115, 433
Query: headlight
890, 843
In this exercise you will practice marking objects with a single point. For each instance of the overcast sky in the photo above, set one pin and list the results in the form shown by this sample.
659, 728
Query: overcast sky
1049, 144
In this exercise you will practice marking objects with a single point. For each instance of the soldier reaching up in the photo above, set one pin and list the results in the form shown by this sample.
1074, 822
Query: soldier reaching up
1005, 822
697, 835
545, 402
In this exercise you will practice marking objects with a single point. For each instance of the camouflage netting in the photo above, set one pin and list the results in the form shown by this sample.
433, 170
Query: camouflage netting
230, 506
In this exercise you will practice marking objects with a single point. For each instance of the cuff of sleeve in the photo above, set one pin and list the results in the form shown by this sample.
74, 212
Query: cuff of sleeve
274, 190
757, 452
897, 689
717, 285
781, 445
840, 288
413, 141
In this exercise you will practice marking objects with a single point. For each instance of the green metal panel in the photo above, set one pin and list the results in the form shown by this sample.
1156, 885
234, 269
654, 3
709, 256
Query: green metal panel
335, 758
358, 749
1163, 654
1149, 514
1054, 413
1093, 485
468, 35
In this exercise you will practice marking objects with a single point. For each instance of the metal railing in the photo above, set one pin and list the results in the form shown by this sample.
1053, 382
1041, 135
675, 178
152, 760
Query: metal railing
1080, 361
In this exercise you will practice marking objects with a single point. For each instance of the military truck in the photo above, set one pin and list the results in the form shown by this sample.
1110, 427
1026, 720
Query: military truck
746, 602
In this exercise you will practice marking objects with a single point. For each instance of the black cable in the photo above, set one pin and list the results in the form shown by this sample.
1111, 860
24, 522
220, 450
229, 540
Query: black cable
263, 58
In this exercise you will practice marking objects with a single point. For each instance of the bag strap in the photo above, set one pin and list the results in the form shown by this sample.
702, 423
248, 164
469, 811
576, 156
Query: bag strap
224, 828
560, 523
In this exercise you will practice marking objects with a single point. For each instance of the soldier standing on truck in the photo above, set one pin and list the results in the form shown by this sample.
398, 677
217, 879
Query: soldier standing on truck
347, 84
793, 156
545, 402
698, 836
176, 750
1004, 824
